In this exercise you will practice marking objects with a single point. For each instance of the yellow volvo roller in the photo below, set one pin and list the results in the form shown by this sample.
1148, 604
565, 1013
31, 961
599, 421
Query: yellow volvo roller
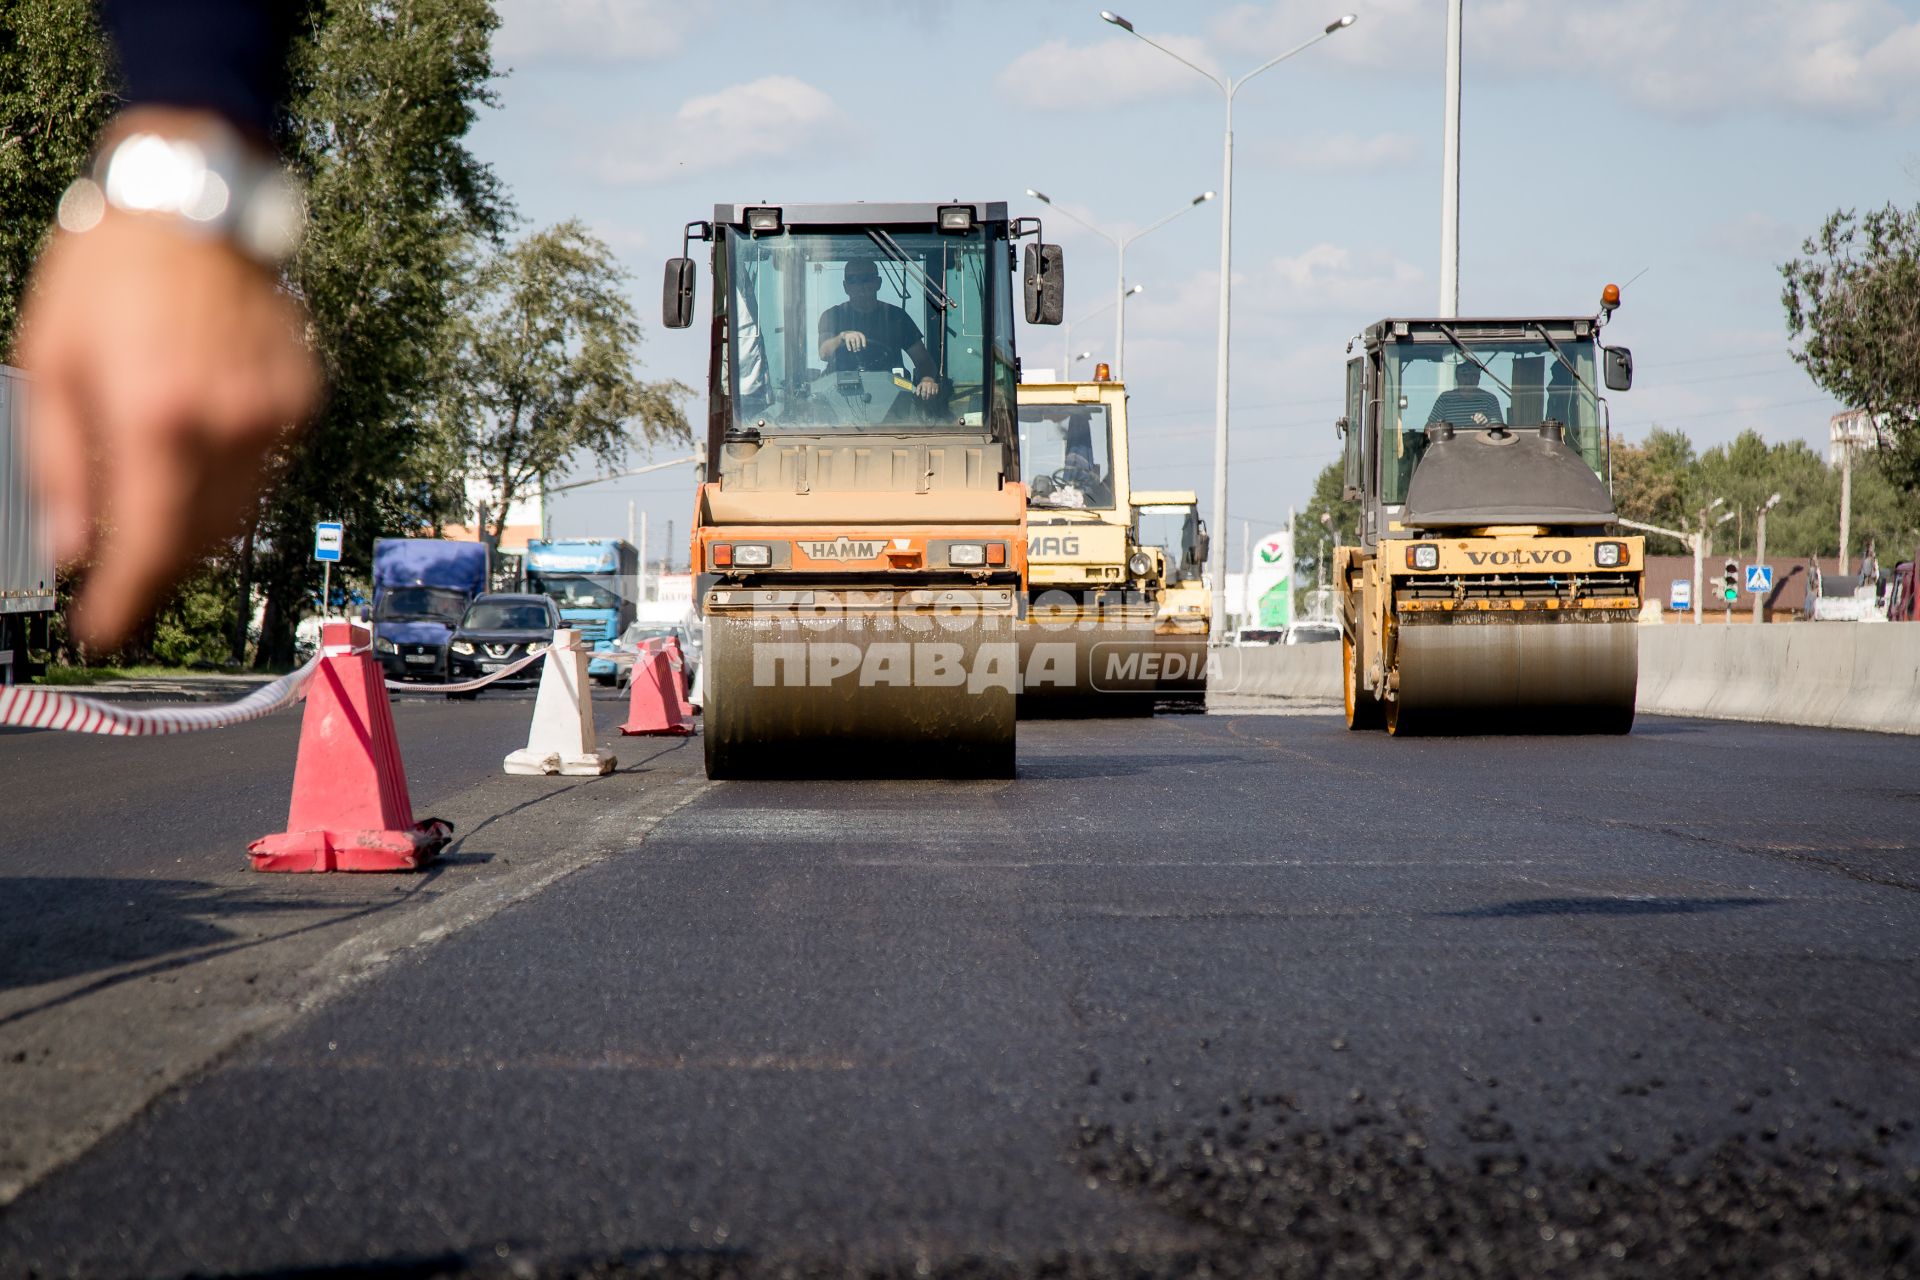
860, 536
1169, 520
1491, 590
1088, 646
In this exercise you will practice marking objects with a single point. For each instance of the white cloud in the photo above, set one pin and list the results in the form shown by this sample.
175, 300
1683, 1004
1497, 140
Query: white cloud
772, 116
1846, 59
1328, 279
1058, 76
1345, 153
590, 30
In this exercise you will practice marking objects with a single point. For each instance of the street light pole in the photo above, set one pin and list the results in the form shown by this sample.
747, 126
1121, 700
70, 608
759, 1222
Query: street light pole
1760, 555
1120, 244
1450, 173
1228, 88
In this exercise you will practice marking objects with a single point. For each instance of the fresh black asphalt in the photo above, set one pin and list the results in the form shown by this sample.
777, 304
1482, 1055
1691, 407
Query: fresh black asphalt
1243, 995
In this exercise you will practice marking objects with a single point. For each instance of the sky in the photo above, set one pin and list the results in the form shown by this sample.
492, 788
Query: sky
1680, 148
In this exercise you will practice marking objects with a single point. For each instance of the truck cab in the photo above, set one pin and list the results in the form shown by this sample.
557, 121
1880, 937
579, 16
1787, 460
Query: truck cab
421, 587
592, 580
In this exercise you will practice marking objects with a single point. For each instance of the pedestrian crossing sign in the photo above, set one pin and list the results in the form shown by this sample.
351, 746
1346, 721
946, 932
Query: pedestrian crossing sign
1759, 579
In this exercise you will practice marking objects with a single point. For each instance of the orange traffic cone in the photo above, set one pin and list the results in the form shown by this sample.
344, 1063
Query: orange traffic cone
350, 808
657, 706
678, 661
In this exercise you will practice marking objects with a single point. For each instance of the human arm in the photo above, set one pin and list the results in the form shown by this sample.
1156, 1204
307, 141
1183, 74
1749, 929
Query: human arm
166, 363
928, 386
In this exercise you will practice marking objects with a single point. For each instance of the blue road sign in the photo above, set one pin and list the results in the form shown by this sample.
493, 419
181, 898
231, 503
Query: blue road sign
1681, 594
328, 535
1759, 579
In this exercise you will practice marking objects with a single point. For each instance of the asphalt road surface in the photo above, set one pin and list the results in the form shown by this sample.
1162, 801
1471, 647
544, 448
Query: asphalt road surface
1239, 995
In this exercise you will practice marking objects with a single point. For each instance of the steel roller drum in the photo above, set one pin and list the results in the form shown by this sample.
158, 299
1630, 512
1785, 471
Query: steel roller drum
1514, 675
1077, 663
860, 696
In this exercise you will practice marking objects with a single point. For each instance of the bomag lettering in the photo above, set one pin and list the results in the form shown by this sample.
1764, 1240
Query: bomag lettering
1520, 558
1053, 544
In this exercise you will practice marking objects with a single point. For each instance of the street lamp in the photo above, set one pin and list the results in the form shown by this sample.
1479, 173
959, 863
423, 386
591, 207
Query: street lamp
1120, 265
1066, 330
1228, 88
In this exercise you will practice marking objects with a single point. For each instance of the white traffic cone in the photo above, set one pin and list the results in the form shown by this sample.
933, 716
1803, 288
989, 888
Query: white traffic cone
562, 739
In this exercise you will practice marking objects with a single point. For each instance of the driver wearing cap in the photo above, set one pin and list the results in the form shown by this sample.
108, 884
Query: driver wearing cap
866, 334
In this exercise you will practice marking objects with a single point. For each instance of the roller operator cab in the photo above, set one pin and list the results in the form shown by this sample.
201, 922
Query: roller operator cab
860, 538
1491, 590
1090, 645
1169, 520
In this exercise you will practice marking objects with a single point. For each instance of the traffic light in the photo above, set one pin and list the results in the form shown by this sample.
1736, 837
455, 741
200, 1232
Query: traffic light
1730, 584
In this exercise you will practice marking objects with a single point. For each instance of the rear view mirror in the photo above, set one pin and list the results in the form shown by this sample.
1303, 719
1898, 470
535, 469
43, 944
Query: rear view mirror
1203, 546
1619, 368
1045, 273
676, 294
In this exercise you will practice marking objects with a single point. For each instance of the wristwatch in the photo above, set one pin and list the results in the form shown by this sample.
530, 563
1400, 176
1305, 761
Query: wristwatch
210, 182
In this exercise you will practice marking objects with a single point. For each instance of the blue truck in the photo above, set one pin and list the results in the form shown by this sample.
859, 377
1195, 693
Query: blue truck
421, 587
593, 581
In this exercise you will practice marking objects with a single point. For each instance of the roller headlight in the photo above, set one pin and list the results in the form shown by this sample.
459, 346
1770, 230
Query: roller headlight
461, 646
1139, 564
1423, 555
537, 646
383, 645
971, 554
749, 555
1609, 555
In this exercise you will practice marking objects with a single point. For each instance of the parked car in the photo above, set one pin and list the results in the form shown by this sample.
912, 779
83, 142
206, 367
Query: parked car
639, 633
1313, 633
498, 630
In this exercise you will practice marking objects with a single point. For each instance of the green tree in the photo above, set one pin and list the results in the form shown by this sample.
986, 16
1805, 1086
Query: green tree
1653, 482
548, 353
384, 94
1854, 301
1314, 538
56, 91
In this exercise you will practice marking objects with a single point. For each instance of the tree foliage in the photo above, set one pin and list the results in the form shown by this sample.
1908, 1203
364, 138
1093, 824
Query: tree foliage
383, 97
1854, 302
1314, 538
56, 91
548, 350
1662, 481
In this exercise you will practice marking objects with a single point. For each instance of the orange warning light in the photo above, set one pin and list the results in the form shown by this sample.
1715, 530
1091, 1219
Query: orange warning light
1101, 372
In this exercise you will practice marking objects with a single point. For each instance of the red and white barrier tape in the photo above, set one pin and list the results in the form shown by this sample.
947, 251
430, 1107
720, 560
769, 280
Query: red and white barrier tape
38, 707
468, 686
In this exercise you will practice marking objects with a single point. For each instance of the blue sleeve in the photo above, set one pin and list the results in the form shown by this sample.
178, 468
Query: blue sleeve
227, 56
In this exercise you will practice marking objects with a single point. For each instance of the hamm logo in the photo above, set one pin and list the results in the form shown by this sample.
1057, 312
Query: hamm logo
841, 549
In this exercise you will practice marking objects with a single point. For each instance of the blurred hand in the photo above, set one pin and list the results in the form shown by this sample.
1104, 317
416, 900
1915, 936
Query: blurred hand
927, 389
166, 366
853, 340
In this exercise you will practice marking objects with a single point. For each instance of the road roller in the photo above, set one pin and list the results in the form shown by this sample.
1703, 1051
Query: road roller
1089, 645
1169, 519
859, 534
1491, 590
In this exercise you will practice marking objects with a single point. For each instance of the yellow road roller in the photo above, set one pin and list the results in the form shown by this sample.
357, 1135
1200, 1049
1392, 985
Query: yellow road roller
1169, 520
1089, 645
1491, 590
859, 537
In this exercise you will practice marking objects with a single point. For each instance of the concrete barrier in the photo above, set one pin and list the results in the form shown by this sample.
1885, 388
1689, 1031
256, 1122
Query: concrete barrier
1310, 671
1840, 675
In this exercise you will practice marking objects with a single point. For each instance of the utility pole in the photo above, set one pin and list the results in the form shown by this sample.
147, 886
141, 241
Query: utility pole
1846, 499
643, 559
668, 557
1246, 571
1450, 172
1760, 555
